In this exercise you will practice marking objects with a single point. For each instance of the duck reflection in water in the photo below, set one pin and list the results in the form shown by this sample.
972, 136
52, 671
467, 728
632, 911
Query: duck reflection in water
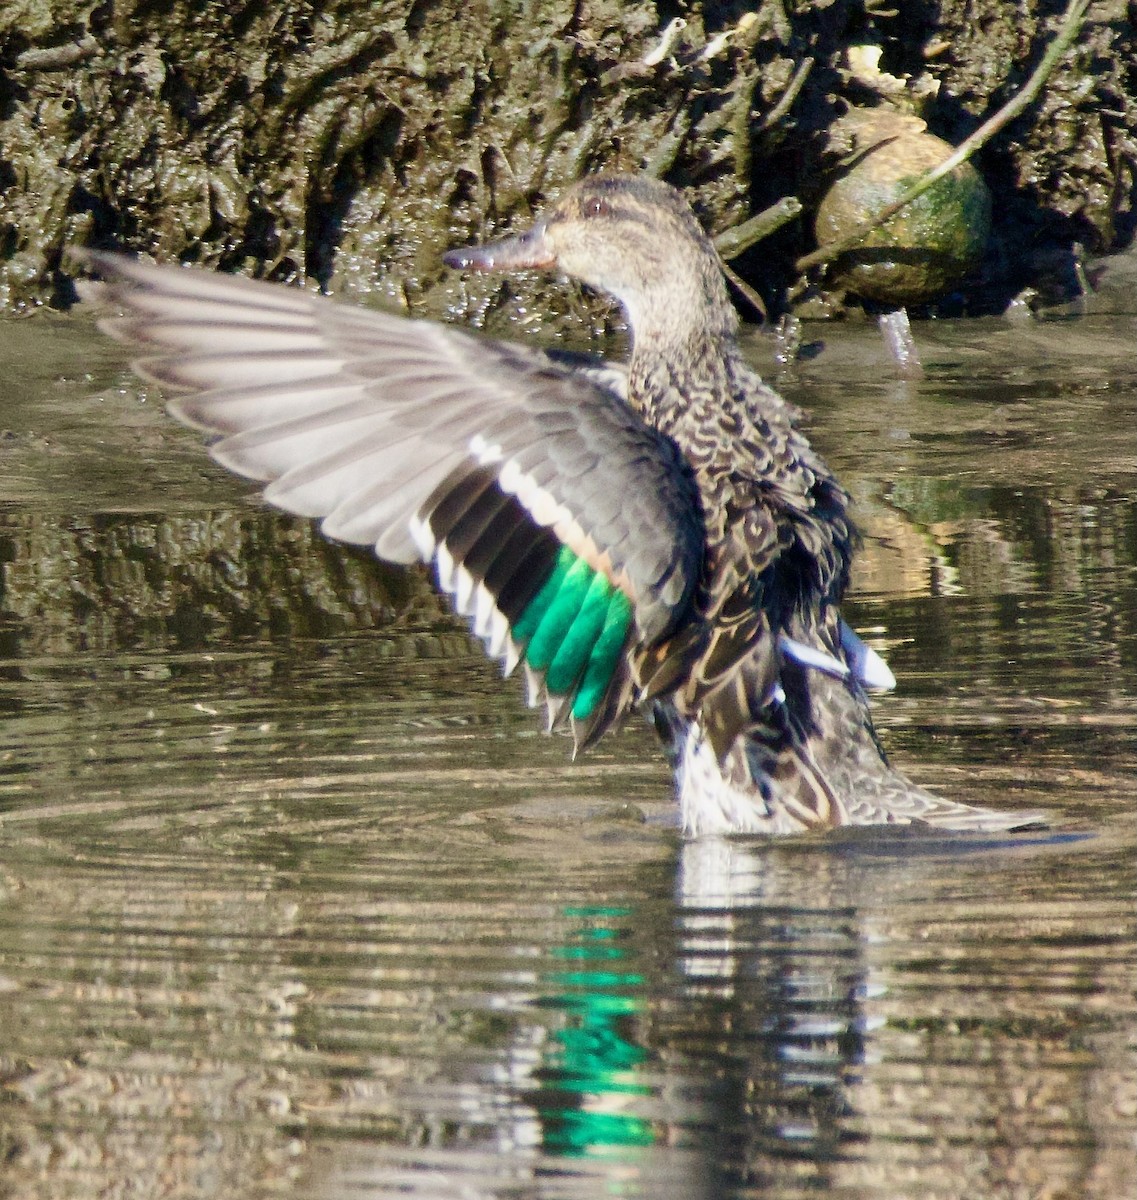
691, 1060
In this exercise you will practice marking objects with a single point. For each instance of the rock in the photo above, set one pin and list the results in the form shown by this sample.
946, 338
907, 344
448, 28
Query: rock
927, 247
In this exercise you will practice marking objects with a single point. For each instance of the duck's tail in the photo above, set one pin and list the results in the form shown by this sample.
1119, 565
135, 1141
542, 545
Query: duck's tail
798, 772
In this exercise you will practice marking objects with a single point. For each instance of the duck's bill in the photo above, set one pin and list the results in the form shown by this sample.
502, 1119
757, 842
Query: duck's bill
530, 251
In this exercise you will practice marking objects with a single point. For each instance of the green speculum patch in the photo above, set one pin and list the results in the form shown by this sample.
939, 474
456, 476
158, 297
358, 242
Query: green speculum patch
574, 630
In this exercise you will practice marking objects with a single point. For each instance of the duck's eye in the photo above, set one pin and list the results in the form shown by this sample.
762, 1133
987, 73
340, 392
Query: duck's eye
596, 207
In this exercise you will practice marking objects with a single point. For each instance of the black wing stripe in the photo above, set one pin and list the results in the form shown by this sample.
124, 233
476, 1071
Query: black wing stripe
482, 552
450, 500
529, 573
514, 576
472, 526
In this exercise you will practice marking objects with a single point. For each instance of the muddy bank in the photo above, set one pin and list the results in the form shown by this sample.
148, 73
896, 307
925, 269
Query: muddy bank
351, 142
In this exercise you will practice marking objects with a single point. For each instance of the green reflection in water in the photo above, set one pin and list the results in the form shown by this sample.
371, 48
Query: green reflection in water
592, 1065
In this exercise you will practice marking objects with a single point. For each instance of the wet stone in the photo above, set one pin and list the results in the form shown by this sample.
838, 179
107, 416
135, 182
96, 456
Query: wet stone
923, 250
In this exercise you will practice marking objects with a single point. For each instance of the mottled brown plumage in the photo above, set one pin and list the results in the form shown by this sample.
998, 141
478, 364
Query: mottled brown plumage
660, 537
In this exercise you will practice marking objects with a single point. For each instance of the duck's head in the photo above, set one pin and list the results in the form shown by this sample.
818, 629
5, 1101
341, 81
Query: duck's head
632, 237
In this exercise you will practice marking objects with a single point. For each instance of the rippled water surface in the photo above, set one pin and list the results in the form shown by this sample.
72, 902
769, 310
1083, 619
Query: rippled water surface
295, 899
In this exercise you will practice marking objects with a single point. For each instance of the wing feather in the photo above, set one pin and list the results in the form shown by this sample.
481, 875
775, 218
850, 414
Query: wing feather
426, 442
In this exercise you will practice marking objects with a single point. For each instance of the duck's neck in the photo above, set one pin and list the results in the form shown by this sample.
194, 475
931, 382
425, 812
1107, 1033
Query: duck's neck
684, 336
682, 365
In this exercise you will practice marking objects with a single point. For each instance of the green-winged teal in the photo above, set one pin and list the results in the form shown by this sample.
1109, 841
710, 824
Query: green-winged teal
657, 536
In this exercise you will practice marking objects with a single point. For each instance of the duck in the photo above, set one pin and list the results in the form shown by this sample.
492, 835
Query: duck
656, 535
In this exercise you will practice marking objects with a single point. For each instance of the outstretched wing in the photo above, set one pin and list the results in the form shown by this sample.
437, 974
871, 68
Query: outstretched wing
562, 525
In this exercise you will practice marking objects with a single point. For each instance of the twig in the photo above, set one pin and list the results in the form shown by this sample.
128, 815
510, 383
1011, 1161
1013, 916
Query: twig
57, 58
731, 242
1071, 25
662, 48
747, 292
785, 101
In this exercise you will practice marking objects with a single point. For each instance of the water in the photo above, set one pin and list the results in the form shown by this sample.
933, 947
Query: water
295, 900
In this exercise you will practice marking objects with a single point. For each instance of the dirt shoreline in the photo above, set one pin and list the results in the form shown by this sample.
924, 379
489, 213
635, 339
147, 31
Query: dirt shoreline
350, 143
